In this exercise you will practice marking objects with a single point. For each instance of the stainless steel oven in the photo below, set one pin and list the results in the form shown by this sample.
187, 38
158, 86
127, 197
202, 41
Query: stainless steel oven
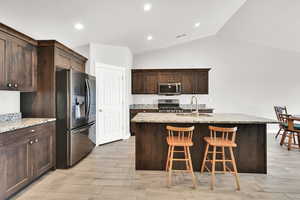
169, 88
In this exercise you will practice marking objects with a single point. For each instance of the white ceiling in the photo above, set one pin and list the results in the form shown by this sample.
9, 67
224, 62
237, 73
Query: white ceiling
118, 22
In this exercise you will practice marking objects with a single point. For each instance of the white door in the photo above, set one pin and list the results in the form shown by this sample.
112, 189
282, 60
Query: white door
110, 103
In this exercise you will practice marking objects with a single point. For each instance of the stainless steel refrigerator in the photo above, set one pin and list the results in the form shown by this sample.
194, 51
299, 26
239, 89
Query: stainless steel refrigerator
76, 116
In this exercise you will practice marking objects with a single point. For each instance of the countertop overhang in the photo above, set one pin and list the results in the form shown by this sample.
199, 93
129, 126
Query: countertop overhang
22, 123
215, 118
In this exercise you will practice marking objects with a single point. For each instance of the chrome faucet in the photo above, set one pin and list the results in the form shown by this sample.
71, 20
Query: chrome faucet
192, 103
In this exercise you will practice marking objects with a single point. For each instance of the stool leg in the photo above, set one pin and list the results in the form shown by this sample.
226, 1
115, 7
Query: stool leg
168, 158
283, 138
278, 133
223, 157
191, 167
186, 157
171, 165
235, 169
299, 140
213, 168
294, 138
290, 141
204, 158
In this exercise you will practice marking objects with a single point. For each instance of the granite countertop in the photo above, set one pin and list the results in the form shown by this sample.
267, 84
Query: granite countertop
6, 126
216, 118
155, 106
143, 106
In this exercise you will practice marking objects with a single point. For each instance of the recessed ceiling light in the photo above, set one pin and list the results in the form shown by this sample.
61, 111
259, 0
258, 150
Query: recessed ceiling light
196, 25
78, 26
147, 7
149, 37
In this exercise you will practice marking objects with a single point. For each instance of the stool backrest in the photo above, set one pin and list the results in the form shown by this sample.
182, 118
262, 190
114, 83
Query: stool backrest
181, 133
224, 133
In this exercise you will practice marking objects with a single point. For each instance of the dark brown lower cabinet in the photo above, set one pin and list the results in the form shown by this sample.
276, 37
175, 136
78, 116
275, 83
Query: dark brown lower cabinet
134, 112
25, 154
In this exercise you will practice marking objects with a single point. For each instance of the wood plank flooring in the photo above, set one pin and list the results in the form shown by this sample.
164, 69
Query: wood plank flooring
108, 174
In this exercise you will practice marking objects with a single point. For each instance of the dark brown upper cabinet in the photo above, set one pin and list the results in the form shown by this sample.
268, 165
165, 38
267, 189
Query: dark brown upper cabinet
18, 61
64, 57
193, 81
52, 56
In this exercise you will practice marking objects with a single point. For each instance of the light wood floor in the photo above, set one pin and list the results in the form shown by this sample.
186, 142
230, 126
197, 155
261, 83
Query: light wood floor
108, 173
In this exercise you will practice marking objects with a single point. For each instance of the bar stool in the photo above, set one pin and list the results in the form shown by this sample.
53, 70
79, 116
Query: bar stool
226, 140
180, 137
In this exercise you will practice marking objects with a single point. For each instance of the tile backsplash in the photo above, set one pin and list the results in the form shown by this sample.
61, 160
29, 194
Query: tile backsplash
184, 99
10, 117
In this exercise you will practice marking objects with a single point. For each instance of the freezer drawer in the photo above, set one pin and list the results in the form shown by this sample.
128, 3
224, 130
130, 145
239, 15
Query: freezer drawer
81, 143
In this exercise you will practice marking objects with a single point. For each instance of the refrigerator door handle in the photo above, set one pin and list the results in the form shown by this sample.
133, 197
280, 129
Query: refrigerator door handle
88, 98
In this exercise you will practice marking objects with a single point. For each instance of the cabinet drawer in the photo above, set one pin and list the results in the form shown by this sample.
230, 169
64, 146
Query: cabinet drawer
62, 59
11, 136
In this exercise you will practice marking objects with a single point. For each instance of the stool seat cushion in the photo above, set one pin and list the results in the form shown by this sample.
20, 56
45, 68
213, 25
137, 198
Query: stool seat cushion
296, 126
174, 141
219, 142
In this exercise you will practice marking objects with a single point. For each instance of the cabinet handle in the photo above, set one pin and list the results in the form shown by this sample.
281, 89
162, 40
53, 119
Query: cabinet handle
16, 85
36, 140
9, 85
31, 142
32, 131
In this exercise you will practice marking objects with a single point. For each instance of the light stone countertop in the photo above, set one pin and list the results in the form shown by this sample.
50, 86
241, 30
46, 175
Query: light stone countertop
22, 123
216, 118
155, 106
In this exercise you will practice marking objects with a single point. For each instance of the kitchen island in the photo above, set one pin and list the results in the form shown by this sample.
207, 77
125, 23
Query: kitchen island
151, 146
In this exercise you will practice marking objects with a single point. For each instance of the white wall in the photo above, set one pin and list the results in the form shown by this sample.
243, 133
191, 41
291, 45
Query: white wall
245, 77
9, 102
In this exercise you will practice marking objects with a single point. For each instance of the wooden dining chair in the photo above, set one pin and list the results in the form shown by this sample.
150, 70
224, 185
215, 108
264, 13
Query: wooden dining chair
220, 138
282, 125
180, 137
292, 130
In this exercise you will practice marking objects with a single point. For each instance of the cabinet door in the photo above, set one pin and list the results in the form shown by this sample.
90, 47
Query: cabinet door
187, 83
3, 50
200, 82
194, 82
42, 151
150, 83
137, 86
21, 65
17, 167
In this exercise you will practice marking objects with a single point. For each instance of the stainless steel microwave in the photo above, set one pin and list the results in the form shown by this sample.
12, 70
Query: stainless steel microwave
169, 88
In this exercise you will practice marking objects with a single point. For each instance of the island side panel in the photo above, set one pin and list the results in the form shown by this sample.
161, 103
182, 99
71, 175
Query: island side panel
151, 146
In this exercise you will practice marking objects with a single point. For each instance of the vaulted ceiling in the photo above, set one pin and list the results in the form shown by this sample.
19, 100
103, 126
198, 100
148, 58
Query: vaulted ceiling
273, 23
118, 22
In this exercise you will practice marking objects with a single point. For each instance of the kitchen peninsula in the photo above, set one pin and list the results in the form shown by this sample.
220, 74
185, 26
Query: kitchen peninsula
151, 146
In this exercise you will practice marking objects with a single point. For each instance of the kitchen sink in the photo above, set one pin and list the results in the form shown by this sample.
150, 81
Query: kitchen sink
194, 114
